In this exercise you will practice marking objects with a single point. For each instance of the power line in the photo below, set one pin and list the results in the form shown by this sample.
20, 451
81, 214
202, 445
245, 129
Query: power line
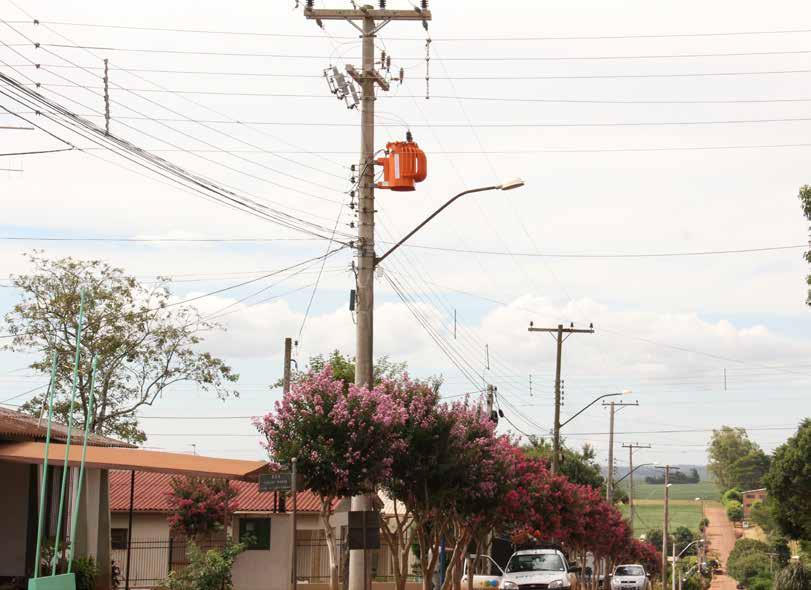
524, 58
433, 39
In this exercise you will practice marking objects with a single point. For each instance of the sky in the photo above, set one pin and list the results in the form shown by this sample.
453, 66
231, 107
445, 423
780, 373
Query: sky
654, 138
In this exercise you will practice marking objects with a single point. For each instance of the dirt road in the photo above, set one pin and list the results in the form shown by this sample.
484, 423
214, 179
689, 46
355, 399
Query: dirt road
721, 536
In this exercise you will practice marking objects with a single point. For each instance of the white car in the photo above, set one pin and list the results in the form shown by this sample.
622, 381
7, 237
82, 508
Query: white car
630, 577
538, 569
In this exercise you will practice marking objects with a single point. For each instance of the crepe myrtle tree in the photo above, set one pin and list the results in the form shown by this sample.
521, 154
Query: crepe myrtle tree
200, 505
144, 341
343, 439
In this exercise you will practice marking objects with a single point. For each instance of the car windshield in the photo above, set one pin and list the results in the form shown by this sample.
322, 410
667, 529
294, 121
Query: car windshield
630, 570
542, 562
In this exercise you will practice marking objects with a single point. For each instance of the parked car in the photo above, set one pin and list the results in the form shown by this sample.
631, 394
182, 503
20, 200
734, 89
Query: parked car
630, 577
530, 569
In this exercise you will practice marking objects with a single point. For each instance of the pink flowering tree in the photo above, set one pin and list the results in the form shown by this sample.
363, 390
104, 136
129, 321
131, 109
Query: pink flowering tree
200, 505
414, 463
343, 440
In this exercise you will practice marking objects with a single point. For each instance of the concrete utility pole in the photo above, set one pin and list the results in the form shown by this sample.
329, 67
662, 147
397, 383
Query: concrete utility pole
288, 359
559, 332
491, 391
665, 527
631, 448
371, 22
609, 488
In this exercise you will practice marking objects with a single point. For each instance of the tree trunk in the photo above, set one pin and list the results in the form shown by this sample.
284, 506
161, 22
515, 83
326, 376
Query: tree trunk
429, 553
332, 545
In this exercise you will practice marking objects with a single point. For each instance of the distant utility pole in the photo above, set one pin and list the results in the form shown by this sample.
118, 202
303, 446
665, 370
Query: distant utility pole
288, 359
559, 332
371, 22
491, 394
631, 447
665, 526
609, 488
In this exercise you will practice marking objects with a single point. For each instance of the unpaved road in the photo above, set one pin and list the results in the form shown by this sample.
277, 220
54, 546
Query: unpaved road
721, 536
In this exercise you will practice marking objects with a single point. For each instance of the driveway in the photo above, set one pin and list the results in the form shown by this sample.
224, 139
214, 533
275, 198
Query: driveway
721, 536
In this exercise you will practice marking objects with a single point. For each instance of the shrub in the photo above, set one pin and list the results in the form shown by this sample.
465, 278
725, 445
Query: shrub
86, 572
209, 570
200, 504
732, 495
735, 511
793, 577
748, 560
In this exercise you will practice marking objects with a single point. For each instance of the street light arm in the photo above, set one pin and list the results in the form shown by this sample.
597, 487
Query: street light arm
630, 472
380, 259
587, 407
688, 546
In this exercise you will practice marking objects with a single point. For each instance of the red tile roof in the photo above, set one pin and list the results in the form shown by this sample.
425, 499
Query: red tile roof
16, 426
151, 490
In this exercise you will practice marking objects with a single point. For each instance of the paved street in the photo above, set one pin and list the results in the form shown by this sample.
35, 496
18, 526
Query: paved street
721, 535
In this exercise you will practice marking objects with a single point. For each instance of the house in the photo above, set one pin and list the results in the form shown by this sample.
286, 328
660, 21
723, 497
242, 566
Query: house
265, 565
750, 498
22, 477
155, 551
22, 452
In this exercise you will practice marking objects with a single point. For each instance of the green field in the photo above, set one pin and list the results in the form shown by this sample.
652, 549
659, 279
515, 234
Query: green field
706, 490
649, 515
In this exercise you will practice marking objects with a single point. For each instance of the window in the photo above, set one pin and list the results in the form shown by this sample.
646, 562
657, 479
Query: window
255, 532
535, 562
118, 538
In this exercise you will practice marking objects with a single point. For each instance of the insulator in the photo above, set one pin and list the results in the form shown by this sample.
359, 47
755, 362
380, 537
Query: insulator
409, 137
424, 4
402, 75
388, 63
382, 4
383, 57
310, 4
352, 180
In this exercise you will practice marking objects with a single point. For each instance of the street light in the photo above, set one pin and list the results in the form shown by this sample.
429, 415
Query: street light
504, 186
634, 469
623, 392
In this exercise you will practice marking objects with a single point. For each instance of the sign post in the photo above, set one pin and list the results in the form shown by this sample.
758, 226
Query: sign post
294, 557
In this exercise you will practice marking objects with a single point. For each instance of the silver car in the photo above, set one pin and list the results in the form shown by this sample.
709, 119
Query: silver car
630, 577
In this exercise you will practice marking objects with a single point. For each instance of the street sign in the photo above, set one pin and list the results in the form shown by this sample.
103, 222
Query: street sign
280, 481
364, 529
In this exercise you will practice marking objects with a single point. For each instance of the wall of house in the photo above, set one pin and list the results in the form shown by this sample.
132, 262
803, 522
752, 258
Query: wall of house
265, 569
14, 524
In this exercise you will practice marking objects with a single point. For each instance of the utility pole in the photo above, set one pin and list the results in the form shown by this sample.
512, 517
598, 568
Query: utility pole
288, 354
491, 391
609, 488
559, 332
371, 22
631, 447
665, 531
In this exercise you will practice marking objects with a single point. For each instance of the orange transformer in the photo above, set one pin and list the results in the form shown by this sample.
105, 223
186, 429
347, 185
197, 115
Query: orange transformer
405, 163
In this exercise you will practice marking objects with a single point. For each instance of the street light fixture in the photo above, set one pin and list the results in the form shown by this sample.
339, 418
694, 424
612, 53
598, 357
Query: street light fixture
623, 392
634, 469
504, 186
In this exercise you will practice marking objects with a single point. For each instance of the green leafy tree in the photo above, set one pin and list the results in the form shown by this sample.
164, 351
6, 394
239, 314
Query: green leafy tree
735, 460
749, 560
654, 537
793, 577
145, 342
789, 483
762, 514
805, 198
684, 536
732, 495
579, 467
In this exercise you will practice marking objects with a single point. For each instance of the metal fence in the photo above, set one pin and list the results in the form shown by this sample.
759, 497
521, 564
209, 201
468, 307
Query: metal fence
151, 560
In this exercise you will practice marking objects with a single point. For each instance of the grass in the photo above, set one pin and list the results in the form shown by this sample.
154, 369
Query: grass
649, 515
705, 490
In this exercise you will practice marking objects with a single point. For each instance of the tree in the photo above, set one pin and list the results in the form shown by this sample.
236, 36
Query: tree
748, 560
342, 437
735, 460
654, 537
793, 577
763, 515
200, 505
684, 536
579, 467
789, 482
805, 198
144, 342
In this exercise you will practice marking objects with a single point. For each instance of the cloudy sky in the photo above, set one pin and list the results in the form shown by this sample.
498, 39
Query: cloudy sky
644, 131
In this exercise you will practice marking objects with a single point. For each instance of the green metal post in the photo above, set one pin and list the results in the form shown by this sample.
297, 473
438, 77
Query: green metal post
87, 420
44, 482
65, 467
